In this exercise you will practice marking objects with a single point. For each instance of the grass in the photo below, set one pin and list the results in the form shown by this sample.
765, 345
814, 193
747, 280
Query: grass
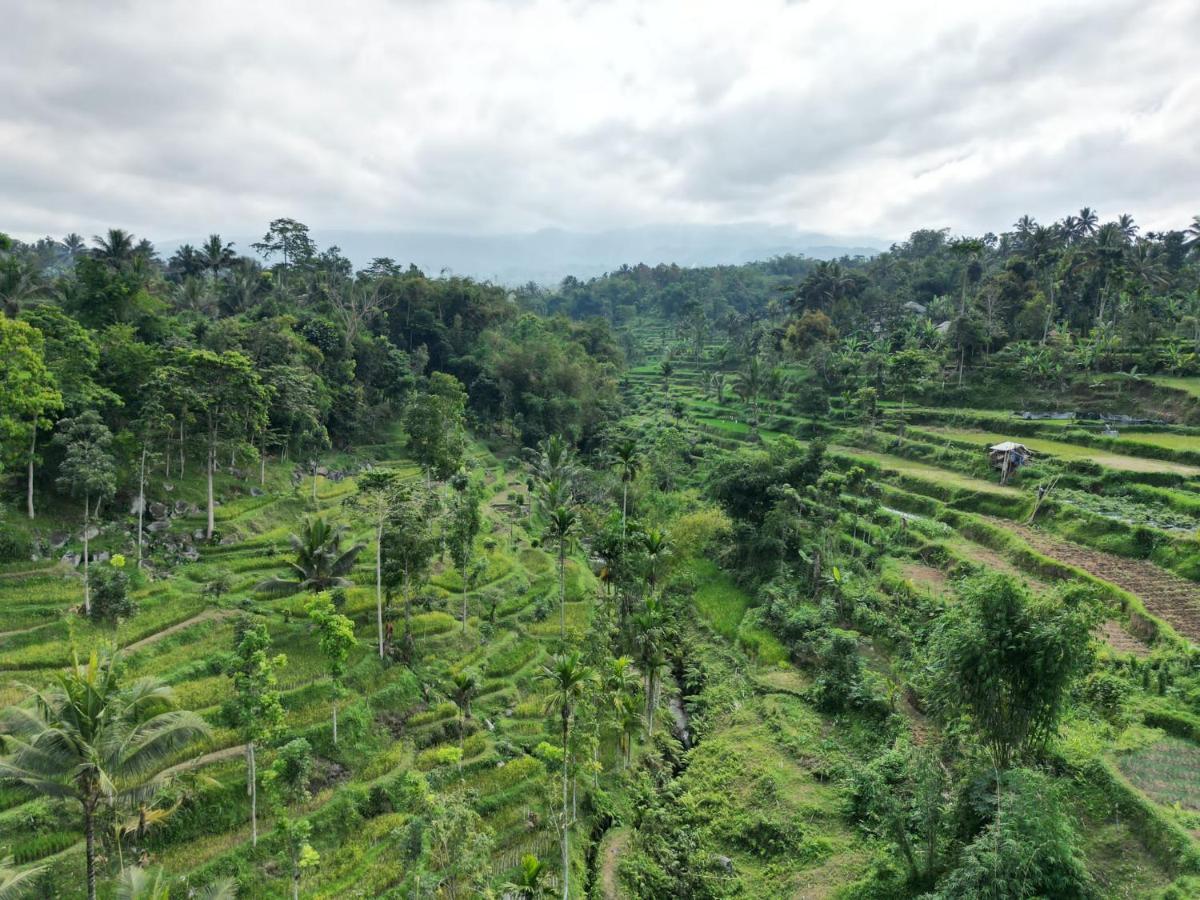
1190, 385
1064, 450
1167, 771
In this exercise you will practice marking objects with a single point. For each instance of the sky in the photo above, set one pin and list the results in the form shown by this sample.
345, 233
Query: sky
462, 116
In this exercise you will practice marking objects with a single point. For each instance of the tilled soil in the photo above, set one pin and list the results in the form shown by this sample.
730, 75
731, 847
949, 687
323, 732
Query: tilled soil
1172, 598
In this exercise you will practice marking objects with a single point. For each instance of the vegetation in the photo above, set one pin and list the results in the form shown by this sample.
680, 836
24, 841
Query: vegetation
671, 583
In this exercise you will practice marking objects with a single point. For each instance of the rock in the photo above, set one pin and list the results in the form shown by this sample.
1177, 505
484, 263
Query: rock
191, 554
158, 525
72, 559
89, 533
158, 510
198, 534
168, 487
58, 539
182, 507
137, 505
256, 492
229, 539
102, 557
322, 471
237, 473
489, 725
726, 864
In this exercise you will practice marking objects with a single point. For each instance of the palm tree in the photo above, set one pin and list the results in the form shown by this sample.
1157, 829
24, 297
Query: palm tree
321, 563
16, 884
666, 368
717, 383
531, 883
463, 687
563, 522
621, 686
136, 883
73, 245
92, 739
1127, 227
116, 248
554, 461
651, 625
629, 464
568, 679
657, 549
217, 255
1193, 235
1088, 221
749, 385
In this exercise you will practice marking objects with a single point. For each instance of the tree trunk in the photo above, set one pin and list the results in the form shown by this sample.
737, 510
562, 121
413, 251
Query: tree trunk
212, 459
181, 448
29, 482
262, 461
87, 584
379, 581
566, 826
624, 505
89, 832
335, 723
562, 589
252, 790
141, 504
464, 596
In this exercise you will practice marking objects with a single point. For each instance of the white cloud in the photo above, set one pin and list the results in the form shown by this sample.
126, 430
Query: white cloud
871, 118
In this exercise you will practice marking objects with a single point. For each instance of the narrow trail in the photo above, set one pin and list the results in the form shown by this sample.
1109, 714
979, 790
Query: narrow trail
207, 615
206, 760
1171, 597
615, 843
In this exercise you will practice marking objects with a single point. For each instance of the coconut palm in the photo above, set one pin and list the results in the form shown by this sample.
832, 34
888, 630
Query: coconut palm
464, 686
115, 248
628, 463
217, 255
657, 548
554, 461
531, 883
321, 563
92, 739
1192, 234
650, 627
666, 368
137, 883
74, 245
749, 385
568, 679
1088, 221
17, 884
563, 523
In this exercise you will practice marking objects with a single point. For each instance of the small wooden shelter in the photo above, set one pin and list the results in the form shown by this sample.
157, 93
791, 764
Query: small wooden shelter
1008, 456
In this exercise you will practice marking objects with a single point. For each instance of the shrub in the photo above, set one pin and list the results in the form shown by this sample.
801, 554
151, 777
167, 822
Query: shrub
110, 595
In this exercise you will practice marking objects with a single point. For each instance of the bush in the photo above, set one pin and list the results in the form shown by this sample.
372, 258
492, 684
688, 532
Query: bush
110, 595
14, 546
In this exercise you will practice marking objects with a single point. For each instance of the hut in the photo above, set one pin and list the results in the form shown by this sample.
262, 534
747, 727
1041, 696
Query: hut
1008, 456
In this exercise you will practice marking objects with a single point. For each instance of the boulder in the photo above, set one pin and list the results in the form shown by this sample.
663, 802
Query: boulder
229, 539
198, 534
191, 554
168, 487
58, 539
137, 505
158, 525
89, 533
72, 559
102, 557
256, 492
158, 510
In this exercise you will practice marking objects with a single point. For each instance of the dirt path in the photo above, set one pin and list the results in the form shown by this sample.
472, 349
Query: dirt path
1117, 638
1173, 599
208, 614
613, 845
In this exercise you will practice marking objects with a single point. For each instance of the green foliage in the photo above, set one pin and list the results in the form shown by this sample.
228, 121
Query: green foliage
1007, 661
110, 595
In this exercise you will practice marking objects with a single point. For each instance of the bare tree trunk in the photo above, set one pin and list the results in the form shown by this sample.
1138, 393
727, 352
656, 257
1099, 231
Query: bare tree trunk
335, 723
87, 584
29, 482
566, 825
379, 580
212, 460
181, 448
262, 461
89, 831
252, 790
141, 504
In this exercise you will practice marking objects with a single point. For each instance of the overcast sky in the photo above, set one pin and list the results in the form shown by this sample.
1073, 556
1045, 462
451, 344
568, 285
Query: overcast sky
179, 118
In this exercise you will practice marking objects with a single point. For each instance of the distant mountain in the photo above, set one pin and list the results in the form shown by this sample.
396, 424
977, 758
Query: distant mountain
549, 255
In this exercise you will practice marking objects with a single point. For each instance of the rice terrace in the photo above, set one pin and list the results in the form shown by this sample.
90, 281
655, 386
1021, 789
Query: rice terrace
560, 514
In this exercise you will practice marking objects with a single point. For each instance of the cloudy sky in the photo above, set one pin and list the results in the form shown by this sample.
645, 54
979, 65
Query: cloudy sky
856, 118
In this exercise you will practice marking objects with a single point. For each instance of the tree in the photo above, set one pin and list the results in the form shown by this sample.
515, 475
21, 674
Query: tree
335, 636
28, 393
377, 495
321, 562
217, 255
568, 680
254, 708
908, 370
1005, 661
464, 684
749, 385
666, 368
226, 390
136, 883
531, 881
563, 524
410, 544
628, 463
87, 469
461, 530
115, 249
17, 884
92, 739
434, 419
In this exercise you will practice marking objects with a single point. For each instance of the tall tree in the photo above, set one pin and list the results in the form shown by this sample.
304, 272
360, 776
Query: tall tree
321, 561
254, 708
335, 637
628, 464
462, 527
88, 470
562, 525
218, 255
435, 421
568, 679
28, 393
91, 738
409, 547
